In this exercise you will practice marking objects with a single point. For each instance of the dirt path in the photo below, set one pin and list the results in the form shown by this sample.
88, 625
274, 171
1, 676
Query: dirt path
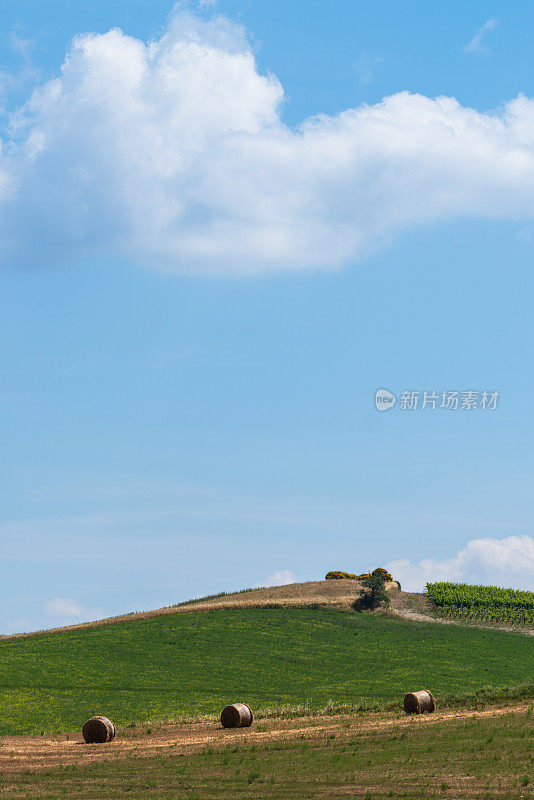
20, 753
416, 607
416, 616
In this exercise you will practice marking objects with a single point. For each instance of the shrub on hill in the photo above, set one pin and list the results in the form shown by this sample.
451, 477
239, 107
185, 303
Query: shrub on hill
338, 575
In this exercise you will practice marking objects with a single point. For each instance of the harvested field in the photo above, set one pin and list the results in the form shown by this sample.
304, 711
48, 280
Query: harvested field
20, 753
484, 755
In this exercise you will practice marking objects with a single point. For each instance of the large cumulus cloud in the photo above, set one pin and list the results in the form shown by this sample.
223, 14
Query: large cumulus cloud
173, 153
503, 562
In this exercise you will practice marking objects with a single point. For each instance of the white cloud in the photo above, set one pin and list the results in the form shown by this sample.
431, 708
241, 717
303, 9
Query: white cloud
173, 154
64, 607
504, 562
67, 611
21, 44
281, 578
365, 66
20, 625
57, 612
476, 42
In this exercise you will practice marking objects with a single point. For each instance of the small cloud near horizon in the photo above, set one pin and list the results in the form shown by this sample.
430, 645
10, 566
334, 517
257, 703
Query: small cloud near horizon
281, 577
63, 607
67, 610
475, 45
20, 625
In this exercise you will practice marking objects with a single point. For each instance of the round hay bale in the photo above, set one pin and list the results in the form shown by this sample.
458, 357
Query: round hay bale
98, 730
419, 702
238, 715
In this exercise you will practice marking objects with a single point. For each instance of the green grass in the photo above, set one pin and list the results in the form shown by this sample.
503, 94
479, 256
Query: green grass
487, 603
192, 664
487, 758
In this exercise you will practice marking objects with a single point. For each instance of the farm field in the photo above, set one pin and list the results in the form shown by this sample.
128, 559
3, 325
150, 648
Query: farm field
468, 755
488, 603
185, 665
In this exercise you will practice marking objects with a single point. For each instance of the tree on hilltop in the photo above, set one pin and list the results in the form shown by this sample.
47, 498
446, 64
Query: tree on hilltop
372, 593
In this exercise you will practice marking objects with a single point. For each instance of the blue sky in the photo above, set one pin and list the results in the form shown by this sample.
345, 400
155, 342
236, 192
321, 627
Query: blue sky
191, 344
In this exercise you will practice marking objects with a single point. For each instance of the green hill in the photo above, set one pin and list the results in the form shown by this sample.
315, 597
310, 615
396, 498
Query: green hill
186, 664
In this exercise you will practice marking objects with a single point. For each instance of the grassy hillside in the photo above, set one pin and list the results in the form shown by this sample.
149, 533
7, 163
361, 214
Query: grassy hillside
182, 665
339, 594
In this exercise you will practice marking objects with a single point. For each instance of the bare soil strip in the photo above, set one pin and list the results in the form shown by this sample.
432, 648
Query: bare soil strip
21, 753
415, 616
